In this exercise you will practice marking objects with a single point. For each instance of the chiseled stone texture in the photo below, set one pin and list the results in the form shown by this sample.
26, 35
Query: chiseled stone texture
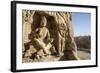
59, 26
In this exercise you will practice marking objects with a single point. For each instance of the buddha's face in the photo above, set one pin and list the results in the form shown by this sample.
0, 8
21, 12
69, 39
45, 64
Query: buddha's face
43, 22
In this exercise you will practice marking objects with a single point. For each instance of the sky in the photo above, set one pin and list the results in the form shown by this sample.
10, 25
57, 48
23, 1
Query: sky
81, 23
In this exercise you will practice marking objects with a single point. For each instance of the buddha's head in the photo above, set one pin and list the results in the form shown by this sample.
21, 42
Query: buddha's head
43, 21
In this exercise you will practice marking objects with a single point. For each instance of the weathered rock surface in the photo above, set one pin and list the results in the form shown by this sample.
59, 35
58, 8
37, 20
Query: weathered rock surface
59, 36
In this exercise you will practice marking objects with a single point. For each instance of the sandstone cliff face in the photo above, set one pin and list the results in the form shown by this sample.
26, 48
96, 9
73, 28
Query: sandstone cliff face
59, 25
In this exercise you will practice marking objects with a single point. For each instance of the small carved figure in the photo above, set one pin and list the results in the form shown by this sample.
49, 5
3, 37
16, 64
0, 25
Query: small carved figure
61, 34
42, 37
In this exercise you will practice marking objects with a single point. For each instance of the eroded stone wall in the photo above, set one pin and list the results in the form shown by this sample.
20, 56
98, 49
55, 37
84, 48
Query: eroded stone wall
59, 26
